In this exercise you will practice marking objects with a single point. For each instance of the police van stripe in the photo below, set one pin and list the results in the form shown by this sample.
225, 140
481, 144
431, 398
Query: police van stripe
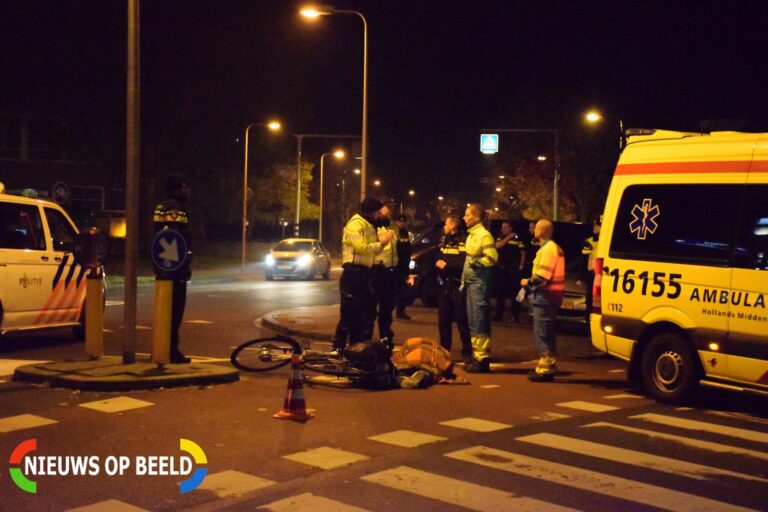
591, 481
71, 272
59, 270
632, 457
80, 275
457, 492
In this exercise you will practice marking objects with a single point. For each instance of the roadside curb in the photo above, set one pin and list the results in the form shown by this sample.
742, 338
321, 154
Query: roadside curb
109, 374
271, 322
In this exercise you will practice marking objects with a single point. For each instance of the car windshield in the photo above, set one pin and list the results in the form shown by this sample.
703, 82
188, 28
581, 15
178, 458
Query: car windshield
292, 246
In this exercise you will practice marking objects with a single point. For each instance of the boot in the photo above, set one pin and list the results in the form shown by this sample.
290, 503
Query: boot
389, 344
545, 370
476, 366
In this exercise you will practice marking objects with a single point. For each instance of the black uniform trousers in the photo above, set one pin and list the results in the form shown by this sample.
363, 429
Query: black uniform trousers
506, 284
452, 307
403, 289
384, 284
179, 303
356, 306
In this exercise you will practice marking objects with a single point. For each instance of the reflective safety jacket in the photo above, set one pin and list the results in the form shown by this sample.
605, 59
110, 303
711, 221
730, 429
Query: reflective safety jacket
481, 248
549, 268
173, 215
510, 252
359, 243
388, 254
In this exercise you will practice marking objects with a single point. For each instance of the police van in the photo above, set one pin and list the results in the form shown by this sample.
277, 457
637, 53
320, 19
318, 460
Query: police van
41, 286
681, 269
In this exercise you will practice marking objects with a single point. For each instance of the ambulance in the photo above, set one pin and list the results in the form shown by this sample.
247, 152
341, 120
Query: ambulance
681, 269
41, 285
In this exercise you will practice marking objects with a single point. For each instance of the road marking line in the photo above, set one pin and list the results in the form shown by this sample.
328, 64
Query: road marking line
233, 483
616, 371
686, 441
325, 457
635, 458
108, 506
114, 303
713, 428
143, 327
549, 416
202, 322
308, 502
475, 424
8, 366
457, 492
587, 406
490, 386
739, 416
592, 481
623, 395
23, 421
406, 438
118, 404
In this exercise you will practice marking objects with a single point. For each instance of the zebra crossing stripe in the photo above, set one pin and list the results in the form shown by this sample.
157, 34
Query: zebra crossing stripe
587, 406
457, 492
632, 457
703, 426
686, 441
591, 481
308, 502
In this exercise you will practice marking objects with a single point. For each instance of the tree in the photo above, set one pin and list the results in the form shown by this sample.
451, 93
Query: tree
275, 195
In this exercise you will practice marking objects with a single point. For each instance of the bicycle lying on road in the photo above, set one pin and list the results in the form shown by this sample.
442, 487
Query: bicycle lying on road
264, 354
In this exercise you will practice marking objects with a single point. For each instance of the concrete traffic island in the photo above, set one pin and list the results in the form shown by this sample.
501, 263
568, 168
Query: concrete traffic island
108, 373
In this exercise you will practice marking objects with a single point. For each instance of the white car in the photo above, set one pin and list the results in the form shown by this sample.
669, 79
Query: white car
41, 286
298, 257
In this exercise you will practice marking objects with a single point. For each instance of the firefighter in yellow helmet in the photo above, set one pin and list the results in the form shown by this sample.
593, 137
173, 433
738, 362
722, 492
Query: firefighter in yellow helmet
481, 256
545, 286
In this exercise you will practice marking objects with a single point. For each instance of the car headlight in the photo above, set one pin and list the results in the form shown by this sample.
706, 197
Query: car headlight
412, 264
269, 260
304, 260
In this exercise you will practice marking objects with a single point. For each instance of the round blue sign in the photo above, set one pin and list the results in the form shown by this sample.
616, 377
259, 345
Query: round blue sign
169, 250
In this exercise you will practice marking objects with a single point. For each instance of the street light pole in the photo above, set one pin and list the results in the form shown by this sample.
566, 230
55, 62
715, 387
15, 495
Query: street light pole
337, 154
274, 125
316, 12
556, 177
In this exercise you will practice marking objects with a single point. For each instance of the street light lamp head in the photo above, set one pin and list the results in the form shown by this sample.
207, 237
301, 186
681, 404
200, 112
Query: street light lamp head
274, 125
593, 116
542, 158
339, 154
356, 171
411, 192
376, 183
314, 12
498, 189
439, 198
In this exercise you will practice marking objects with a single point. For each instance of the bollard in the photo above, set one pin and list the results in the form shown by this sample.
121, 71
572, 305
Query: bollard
94, 313
161, 323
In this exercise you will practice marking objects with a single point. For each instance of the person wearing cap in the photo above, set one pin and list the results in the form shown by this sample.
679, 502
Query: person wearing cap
360, 244
546, 287
384, 276
404, 251
171, 213
481, 256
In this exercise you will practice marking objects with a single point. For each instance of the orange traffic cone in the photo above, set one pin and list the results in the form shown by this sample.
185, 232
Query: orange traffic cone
294, 407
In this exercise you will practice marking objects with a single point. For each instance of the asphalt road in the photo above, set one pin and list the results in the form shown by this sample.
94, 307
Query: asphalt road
587, 442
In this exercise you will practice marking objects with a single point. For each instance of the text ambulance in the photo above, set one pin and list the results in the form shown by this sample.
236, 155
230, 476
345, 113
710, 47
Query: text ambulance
41, 286
681, 270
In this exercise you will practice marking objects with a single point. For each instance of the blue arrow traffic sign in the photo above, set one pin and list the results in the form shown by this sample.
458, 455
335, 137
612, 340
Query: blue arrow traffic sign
169, 250
489, 143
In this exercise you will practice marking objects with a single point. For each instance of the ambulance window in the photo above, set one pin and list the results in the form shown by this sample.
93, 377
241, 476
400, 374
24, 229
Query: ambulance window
752, 247
693, 224
62, 233
21, 227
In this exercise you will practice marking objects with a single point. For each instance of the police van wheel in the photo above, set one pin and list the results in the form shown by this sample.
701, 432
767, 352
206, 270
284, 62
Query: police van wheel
668, 368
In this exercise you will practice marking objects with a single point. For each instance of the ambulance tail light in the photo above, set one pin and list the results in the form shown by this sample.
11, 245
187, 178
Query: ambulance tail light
597, 287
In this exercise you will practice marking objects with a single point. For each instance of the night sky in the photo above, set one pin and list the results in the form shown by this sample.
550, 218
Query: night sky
439, 72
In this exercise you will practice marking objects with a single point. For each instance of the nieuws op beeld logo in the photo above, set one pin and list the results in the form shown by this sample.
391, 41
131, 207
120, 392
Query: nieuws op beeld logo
25, 465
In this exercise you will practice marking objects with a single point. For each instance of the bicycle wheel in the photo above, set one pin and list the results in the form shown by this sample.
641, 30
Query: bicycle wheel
264, 354
334, 366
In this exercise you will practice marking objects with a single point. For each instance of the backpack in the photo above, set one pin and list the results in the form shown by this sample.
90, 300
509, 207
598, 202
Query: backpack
373, 357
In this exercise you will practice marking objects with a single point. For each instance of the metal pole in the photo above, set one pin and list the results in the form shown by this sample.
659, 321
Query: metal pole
320, 227
364, 146
556, 185
298, 185
621, 135
245, 199
132, 155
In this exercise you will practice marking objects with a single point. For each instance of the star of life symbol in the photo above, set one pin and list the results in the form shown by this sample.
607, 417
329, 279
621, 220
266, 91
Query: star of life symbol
644, 219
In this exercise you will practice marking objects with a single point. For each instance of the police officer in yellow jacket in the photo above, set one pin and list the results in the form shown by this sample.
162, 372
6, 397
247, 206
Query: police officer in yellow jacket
360, 245
384, 276
546, 286
588, 264
481, 256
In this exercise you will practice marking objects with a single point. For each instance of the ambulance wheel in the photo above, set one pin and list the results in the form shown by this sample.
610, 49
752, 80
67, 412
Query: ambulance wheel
668, 368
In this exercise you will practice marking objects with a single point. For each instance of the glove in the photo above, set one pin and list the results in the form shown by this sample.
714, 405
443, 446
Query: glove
520, 295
